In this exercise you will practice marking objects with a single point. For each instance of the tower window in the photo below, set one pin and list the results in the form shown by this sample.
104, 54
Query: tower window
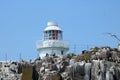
56, 35
62, 52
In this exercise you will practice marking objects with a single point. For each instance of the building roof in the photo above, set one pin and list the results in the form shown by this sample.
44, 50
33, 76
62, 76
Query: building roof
52, 26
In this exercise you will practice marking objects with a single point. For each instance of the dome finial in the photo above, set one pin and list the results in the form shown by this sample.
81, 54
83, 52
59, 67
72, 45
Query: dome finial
52, 23
52, 26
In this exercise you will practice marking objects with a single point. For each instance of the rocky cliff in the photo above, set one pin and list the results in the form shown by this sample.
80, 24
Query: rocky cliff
96, 64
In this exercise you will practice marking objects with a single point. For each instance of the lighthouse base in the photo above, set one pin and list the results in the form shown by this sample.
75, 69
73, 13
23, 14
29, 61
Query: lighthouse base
52, 51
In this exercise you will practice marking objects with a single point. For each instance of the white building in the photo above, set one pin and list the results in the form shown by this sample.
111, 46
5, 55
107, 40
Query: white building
53, 42
119, 46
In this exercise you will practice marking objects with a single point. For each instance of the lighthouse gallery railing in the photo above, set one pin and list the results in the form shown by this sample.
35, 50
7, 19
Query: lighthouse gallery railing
52, 43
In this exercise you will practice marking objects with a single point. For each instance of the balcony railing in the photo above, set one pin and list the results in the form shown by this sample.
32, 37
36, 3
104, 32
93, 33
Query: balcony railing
52, 43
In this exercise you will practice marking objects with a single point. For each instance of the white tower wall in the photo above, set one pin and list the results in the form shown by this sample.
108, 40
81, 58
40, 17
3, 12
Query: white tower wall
53, 42
118, 46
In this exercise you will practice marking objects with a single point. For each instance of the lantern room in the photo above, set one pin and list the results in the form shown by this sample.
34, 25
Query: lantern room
52, 32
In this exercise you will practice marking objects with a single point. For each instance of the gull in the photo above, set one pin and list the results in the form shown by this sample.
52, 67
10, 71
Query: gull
113, 35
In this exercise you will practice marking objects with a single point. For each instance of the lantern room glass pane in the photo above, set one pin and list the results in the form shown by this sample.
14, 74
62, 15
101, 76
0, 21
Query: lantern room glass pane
53, 35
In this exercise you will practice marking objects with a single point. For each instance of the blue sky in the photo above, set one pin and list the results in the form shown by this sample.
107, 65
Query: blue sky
83, 23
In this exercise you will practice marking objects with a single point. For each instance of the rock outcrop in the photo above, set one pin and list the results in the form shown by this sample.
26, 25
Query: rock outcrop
96, 64
10, 71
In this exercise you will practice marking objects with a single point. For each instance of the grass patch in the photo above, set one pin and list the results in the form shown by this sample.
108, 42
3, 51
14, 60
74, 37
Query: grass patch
27, 73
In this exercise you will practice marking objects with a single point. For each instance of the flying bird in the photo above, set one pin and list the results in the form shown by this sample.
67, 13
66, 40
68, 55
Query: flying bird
113, 35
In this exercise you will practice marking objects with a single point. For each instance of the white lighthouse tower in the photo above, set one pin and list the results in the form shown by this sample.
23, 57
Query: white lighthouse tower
52, 42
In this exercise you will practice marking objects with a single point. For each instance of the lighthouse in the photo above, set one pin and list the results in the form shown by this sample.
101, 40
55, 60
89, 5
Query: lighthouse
52, 42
